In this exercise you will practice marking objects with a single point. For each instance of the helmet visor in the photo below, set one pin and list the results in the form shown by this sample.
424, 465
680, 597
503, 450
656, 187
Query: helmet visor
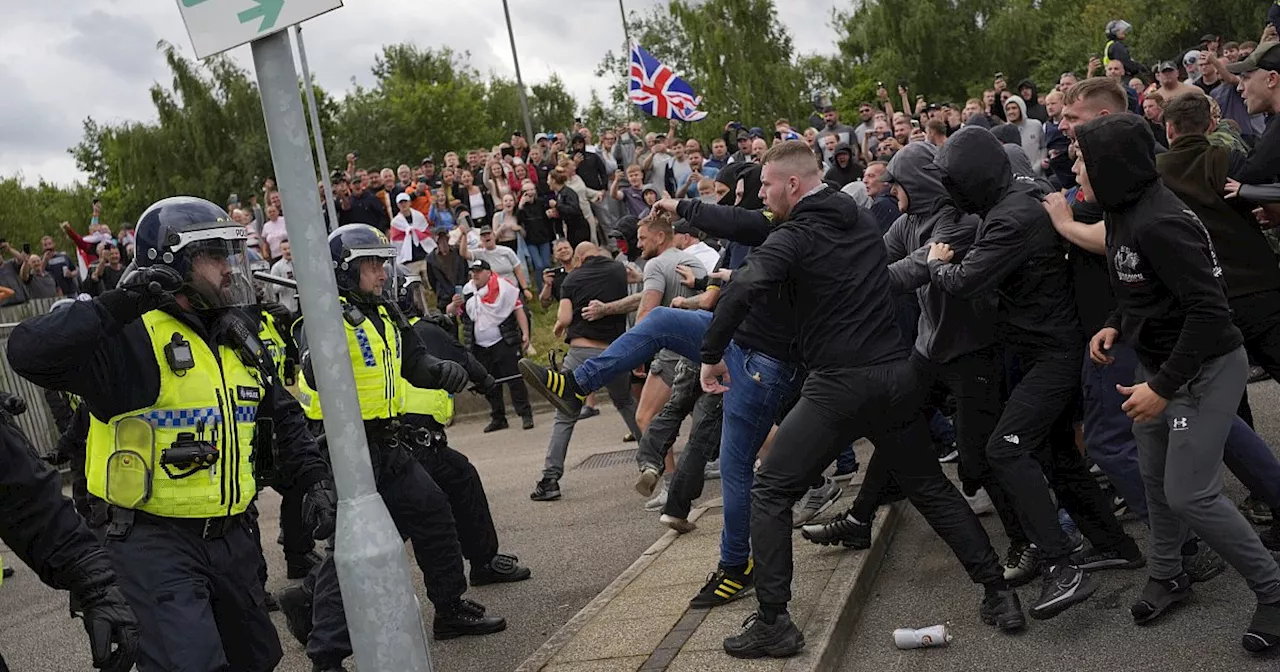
219, 273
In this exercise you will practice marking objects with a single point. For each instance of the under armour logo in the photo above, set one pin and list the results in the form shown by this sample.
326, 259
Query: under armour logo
1179, 424
1012, 438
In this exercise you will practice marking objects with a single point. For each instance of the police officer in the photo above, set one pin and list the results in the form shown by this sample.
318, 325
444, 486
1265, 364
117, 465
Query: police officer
384, 354
43, 529
183, 402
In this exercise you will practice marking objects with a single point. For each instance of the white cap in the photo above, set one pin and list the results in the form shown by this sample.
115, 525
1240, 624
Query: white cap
403, 197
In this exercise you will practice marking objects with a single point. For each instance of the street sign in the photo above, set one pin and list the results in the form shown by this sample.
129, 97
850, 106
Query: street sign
218, 25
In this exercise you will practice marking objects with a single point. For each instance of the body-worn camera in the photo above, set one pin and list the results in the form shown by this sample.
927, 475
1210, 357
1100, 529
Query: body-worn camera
188, 455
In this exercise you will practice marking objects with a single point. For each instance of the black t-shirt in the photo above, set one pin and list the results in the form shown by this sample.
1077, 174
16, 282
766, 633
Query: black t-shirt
1094, 300
597, 278
57, 266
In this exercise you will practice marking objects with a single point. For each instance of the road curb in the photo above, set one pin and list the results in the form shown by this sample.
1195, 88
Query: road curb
566, 633
827, 633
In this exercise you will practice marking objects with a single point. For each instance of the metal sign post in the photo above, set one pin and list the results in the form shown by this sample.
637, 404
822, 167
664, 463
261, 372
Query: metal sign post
317, 133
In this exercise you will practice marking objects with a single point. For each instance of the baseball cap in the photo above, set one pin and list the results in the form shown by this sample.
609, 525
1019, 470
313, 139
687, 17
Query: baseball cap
479, 265
403, 197
233, 200
486, 229
430, 159
540, 136
1190, 57
756, 132
683, 226
1165, 66
1264, 57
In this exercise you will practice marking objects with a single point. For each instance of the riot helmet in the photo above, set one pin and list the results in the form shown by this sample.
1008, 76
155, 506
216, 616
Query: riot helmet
201, 245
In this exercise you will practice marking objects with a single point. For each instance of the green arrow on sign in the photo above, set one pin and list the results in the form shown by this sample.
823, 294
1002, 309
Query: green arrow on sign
267, 10
191, 3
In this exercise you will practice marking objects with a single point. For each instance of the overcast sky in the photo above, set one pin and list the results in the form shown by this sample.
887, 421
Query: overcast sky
64, 60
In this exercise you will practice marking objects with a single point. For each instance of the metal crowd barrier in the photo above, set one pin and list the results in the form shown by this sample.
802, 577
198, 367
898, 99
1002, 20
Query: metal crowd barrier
37, 423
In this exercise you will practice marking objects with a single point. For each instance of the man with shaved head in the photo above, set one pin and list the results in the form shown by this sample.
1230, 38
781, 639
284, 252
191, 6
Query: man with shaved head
595, 277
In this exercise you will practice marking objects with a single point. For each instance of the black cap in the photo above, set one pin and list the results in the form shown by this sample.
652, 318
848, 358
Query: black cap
479, 265
1264, 57
431, 160
1208, 37
683, 226
486, 229
756, 132
1165, 66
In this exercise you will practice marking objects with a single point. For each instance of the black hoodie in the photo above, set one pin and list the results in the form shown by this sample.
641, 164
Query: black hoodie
949, 326
1034, 109
828, 259
850, 173
1170, 295
1015, 251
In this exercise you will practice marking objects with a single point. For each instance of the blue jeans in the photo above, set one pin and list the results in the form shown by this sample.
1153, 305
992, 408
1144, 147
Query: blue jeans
1108, 432
680, 331
540, 257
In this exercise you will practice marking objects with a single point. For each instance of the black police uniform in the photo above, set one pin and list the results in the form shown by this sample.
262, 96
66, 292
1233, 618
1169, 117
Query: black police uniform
43, 529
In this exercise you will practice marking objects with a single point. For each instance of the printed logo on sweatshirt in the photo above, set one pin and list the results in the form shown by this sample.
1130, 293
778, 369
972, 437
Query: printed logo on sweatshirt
1215, 267
1012, 438
1126, 262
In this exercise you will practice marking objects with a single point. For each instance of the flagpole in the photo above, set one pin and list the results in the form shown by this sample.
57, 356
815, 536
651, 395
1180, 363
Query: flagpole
524, 101
631, 113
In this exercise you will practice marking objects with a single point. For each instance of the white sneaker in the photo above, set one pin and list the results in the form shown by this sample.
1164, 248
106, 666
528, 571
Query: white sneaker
681, 525
814, 502
657, 503
647, 481
980, 502
711, 471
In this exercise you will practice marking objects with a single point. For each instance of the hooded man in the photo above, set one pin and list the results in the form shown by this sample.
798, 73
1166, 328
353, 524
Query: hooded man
955, 343
1017, 254
592, 169
1031, 131
1030, 98
843, 168
1173, 309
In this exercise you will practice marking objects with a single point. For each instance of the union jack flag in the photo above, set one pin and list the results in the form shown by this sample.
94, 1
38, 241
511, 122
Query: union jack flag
656, 89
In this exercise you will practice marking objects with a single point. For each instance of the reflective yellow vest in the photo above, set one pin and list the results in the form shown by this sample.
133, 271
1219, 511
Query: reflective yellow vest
435, 403
376, 361
216, 401
1106, 53
269, 334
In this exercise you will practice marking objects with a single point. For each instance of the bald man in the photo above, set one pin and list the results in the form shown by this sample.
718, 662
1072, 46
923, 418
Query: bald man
595, 277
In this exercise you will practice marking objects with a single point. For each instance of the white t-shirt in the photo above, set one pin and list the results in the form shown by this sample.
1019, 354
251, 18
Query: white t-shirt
274, 233
283, 295
477, 206
705, 253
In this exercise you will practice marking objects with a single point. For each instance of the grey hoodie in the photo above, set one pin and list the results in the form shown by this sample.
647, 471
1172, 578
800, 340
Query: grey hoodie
949, 326
1032, 132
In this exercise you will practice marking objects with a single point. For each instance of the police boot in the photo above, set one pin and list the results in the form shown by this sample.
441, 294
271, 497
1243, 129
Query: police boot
300, 564
295, 603
465, 618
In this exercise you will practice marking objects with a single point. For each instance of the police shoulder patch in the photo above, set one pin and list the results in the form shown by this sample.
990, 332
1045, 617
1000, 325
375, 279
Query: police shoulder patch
248, 393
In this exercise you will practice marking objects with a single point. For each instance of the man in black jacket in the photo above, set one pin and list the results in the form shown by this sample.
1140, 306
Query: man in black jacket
42, 528
1192, 371
859, 384
357, 205
592, 169
1017, 254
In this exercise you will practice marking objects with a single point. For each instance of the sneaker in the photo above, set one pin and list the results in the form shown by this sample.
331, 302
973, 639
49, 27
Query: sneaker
526, 422
844, 475
271, 603
657, 503
948, 454
1122, 556
1204, 564
503, 568
1256, 511
495, 425
588, 412
1119, 507
1064, 587
814, 502
628, 438
712, 471
980, 502
1002, 609
558, 388
7, 572
648, 480
780, 639
295, 604
548, 489
1158, 596
681, 525
465, 618
299, 565
724, 586
1257, 374
844, 530
1263, 632
1021, 564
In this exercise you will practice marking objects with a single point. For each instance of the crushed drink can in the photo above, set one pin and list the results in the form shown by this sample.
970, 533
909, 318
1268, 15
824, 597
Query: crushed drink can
920, 638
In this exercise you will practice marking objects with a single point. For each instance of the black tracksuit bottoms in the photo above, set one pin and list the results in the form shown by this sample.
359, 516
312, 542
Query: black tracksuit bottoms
882, 402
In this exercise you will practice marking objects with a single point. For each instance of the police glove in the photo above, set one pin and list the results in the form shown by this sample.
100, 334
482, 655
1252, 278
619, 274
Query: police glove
449, 376
108, 619
141, 290
320, 510
485, 385
12, 403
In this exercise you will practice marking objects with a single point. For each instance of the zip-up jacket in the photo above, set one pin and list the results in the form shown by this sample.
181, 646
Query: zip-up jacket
949, 326
1170, 294
1015, 252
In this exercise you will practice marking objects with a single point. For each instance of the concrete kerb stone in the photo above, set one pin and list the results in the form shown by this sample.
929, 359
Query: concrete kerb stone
566, 633
837, 611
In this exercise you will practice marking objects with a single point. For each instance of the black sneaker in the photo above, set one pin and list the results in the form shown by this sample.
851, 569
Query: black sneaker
466, 618
502, 568
300, 564
1204, 564
1002, 609
844, 530
1158, 596
1021, 564
295, 604
548, 489
495, 425
1091, 559
1264, 629
7, 572
558, 388
526, 422
1064, 587
780, 639
724, 586
947, 453
1257, 374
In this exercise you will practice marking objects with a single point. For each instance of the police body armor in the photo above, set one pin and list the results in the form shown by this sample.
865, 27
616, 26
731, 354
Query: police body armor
190, 454
436, 403
376, 360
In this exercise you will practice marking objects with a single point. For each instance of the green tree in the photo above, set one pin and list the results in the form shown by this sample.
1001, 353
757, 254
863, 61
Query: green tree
551, 107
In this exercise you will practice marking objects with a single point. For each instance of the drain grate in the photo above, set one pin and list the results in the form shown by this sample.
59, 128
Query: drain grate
613, 459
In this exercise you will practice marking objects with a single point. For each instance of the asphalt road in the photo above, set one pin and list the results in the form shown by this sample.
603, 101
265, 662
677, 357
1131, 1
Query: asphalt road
921, 584
575, 547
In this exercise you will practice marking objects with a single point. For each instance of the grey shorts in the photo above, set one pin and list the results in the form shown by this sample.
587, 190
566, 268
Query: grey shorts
667, 368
